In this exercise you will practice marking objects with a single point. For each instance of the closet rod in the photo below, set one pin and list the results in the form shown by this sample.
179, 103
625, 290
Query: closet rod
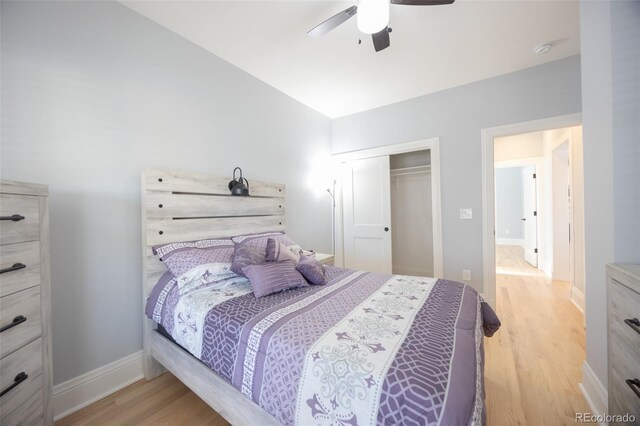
410, 170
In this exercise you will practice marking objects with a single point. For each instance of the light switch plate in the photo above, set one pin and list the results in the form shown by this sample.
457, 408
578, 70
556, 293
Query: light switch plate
466, 213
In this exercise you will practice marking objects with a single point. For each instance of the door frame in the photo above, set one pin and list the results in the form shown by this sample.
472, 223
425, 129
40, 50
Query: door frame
488, 193
431, 144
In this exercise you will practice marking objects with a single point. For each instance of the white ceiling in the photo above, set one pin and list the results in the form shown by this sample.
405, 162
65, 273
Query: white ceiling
432, 48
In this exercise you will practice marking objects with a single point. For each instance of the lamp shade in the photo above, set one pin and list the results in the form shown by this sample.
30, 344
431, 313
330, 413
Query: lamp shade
373, 15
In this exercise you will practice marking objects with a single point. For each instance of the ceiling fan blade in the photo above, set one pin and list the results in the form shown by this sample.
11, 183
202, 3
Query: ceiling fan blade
422, 2
333, 22
381, 40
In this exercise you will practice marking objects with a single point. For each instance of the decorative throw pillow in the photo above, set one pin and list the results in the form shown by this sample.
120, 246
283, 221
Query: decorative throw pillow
245, 255
277, 252
259, 241
273, 277
311, 269
198, 263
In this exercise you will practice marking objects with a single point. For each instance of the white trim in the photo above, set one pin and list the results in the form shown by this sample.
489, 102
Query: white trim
399, 148
594, 392
488, 195
510, 241
77, 393
577, 297
432, 144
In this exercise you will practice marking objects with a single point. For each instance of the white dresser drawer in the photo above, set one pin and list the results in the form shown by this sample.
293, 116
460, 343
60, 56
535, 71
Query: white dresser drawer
20, 376
25, 303
19, 267
26, 223
624, 309
30, 413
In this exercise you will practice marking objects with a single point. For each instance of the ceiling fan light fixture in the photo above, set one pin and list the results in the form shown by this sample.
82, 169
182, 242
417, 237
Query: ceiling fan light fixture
373, 15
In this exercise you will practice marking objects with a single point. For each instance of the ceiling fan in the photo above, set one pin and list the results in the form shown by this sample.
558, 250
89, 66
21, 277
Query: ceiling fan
373, 18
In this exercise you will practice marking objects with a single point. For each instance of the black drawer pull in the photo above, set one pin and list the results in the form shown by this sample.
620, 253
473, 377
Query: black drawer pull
21, 377
13, 218
634, 384
15, 267
633, 323
17, 320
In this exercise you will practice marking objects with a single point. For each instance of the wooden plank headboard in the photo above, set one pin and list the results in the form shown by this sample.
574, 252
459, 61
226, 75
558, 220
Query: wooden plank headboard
180, 206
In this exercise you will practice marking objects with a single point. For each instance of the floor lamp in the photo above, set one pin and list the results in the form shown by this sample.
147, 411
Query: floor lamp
332, 192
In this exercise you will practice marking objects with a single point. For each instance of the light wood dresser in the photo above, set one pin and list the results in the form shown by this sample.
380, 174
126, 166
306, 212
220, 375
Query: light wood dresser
25, 305
623, 293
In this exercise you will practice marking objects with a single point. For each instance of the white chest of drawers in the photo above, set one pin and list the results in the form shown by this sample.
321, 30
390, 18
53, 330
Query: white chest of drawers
25, 305
623, 293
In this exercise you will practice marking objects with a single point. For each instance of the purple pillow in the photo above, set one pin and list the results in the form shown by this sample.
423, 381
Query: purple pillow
273, 277
245, 255
278, 252
311, 269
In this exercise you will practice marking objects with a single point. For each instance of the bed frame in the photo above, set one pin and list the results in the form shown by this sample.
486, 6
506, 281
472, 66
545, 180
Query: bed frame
178, 207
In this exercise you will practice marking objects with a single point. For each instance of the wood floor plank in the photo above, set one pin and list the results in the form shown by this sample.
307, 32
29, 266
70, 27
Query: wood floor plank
532, 364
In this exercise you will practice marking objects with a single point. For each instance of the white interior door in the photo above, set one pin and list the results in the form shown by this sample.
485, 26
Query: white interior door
367, 215
530, 215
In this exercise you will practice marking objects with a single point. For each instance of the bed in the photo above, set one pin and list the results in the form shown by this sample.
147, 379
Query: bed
365, 348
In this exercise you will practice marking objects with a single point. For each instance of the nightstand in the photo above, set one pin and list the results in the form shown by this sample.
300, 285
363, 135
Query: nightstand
325, 258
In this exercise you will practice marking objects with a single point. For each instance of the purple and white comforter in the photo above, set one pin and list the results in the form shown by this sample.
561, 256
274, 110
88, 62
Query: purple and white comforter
366, 348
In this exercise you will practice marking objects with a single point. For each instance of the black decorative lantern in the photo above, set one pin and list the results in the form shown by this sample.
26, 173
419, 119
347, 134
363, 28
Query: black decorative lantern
239, 185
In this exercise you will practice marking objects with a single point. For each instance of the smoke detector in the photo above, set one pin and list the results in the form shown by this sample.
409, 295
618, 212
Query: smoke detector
543, 48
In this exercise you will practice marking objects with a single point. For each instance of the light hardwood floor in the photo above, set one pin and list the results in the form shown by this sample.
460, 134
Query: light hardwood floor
532, 365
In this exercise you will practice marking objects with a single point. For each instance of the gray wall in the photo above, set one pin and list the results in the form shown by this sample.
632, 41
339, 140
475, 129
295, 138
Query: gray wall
92, 94
509, 203
625, 70
611, 124
457, 116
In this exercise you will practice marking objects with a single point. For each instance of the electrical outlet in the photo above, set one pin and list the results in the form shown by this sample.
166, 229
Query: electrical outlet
466, 275
466, 213
506, 231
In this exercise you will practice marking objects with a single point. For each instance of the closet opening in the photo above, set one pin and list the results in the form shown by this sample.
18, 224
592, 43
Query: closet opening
411, 214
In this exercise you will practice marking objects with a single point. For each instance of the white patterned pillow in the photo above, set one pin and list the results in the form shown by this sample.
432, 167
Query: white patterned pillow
198, 263
203, 275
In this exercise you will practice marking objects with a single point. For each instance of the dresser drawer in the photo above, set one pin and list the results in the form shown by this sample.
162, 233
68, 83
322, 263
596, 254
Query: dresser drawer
624, 304
25, 362
14, 277
25, 303
622, 398
18, 231
30, 413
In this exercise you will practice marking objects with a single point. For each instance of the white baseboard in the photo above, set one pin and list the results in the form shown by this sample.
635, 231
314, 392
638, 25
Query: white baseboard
594, 392
77, 393
510, 241
577, 297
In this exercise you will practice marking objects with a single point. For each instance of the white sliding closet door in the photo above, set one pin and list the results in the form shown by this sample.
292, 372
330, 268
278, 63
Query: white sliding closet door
367, 215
